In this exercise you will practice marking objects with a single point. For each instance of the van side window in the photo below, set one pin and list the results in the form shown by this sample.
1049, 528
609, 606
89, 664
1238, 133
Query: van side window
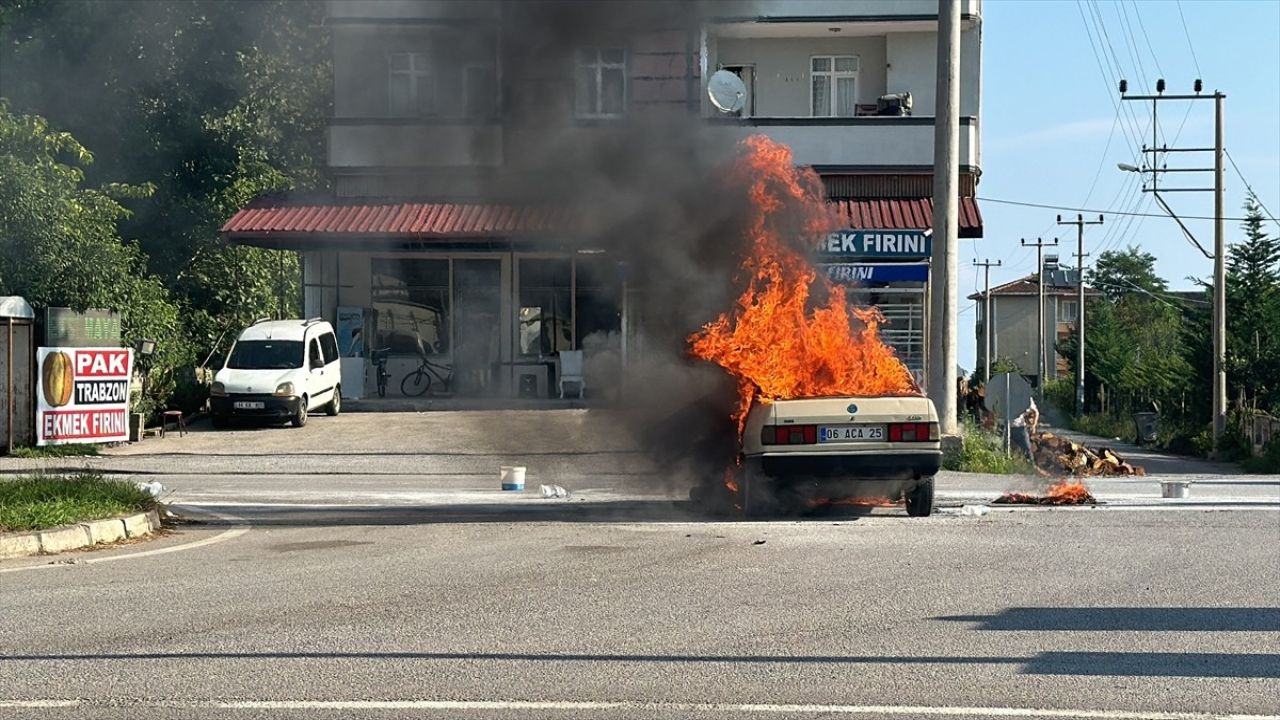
317, 360
329, 344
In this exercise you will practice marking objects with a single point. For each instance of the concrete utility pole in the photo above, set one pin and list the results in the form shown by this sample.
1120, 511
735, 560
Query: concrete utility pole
944, 276
986, 315
1154, 168
1080, 222
1040, 245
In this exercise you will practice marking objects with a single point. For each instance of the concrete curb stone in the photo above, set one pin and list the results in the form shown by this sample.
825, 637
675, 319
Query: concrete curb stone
73, 537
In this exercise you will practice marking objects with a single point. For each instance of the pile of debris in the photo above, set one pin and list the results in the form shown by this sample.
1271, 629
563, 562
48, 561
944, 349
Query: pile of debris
1061, 456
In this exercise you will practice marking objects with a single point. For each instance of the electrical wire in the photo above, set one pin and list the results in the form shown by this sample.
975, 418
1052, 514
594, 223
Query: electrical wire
1094, 211
1250, 187
1145, 36
1190, 44
1107, 79
1114, 57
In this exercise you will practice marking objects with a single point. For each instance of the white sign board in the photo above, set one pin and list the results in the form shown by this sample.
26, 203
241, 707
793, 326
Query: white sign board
82, 395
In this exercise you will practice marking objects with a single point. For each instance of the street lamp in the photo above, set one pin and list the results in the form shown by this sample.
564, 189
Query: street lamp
1128, 168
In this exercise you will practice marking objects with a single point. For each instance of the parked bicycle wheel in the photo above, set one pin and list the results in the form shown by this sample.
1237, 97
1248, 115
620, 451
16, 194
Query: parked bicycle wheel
416, 383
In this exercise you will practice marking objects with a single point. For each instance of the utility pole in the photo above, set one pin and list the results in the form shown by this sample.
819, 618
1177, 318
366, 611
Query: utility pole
944, 274
1080, 222
1040, 245
1155, 168
986, 314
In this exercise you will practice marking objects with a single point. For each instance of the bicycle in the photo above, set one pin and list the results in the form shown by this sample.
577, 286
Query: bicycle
419, 381
379, 358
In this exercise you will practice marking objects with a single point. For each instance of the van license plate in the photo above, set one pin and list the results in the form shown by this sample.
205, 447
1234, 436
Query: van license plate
249, 405
850, 433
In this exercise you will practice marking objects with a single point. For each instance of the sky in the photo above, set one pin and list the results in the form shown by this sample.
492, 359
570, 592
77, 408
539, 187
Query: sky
1051, 133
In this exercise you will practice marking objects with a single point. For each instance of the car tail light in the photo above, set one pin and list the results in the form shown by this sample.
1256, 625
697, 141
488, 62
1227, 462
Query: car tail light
789, 435
913, 432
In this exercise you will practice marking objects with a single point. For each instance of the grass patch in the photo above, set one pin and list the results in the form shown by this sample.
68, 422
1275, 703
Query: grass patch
36, 502
983, 452
1106, 426
55, 451
1268, 463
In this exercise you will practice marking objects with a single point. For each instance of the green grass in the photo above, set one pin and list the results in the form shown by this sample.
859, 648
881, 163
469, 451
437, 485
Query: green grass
983, 452
55, 451
1268, 463
1106, 426
36, 502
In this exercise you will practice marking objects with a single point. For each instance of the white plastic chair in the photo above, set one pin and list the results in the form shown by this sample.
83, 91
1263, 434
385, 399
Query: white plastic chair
571, 371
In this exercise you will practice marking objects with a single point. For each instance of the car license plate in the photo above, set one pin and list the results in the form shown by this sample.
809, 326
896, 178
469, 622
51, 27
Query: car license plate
249, 405
850, 433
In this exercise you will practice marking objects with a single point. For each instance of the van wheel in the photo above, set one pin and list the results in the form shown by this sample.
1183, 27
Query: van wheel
920, 499
335, 405
300, 418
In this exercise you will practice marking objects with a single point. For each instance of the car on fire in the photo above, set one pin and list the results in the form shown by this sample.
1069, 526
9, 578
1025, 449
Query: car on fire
840, 448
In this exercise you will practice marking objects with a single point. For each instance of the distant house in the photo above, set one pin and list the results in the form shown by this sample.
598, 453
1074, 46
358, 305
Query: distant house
1014, 309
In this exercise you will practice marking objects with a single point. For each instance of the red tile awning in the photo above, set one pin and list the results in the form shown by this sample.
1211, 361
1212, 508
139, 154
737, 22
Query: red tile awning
905, 214
268, 221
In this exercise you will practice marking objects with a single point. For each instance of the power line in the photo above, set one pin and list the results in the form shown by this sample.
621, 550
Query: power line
1107, 79
1114, 57
1145, 36
1190, 44
1048, 206
1250, 187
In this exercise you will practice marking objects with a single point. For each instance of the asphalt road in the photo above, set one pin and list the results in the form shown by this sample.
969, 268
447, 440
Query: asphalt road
410, 587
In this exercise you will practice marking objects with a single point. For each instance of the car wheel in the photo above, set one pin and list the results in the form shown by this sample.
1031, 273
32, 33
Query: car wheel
219, 422
300, 418
756, 495
335, 405
920, 499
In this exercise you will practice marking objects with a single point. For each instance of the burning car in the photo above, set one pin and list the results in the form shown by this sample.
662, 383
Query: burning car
840, 447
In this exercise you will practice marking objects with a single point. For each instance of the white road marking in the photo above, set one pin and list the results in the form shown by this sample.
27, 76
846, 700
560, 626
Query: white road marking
719, 708
242, 526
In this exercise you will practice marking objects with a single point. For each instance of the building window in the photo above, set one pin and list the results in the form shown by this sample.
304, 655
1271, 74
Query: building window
600, 82
546, 307
834, 85
411, 299
411, 85
1067, 310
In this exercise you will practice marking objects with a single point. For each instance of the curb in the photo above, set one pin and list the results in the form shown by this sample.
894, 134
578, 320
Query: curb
74, 537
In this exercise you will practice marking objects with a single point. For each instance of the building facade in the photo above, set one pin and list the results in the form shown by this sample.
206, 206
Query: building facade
448, 116
1015, 308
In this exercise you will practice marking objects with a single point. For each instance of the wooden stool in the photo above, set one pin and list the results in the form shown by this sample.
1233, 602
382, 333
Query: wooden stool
176, 416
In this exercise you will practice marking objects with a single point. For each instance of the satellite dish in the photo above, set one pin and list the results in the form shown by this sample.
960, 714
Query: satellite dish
727, 92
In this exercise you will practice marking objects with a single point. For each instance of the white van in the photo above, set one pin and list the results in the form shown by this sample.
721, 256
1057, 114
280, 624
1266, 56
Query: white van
281, 370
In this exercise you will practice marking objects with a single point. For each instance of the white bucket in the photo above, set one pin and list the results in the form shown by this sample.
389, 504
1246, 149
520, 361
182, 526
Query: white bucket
512, 477
1175, 488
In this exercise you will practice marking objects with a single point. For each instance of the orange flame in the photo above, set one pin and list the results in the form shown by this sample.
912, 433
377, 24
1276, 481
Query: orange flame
779, 342
1064, 492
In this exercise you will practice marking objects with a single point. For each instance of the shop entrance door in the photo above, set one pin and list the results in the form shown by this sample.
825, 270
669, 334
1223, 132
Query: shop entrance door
477, 293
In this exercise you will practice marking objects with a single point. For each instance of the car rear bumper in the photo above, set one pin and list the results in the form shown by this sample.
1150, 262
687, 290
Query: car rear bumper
896, 466
272, 406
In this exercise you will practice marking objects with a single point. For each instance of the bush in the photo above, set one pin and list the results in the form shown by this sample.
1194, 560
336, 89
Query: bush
1105, 426
981, 451
1267, 463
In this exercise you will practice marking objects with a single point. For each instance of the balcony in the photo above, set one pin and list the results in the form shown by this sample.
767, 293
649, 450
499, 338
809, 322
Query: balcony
832, 144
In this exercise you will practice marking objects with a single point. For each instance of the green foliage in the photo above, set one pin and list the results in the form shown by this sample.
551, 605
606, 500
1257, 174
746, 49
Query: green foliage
1268, 463
1118, 273
36, 502
192, 109
1105, 426
54, 451
983, 452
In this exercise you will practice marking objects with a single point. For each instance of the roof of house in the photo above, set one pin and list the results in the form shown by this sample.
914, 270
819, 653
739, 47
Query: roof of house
1030, 285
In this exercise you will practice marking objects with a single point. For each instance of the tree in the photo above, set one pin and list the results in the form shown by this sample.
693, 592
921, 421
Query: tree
1253, 312
59, 245
211, 103
1119, 273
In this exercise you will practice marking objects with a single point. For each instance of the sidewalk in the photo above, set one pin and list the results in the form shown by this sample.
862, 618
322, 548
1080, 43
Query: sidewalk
1155, 462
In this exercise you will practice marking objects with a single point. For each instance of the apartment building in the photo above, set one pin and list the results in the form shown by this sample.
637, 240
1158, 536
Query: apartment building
1015, 309
449, 115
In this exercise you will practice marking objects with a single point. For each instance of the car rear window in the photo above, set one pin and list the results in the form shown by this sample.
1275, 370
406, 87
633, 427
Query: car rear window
266, 355
329, 344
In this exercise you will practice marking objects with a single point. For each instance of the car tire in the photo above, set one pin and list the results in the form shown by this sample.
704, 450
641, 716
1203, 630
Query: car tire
335, 405
219, 422
300, 418
920, 499
756, 495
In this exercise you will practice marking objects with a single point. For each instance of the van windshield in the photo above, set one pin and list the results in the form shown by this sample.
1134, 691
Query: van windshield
266, 355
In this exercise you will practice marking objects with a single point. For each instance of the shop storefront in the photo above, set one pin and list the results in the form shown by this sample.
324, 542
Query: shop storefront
888, 270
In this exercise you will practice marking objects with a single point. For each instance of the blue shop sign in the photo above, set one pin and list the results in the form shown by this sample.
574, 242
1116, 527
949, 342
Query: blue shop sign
917, 244
858, 273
